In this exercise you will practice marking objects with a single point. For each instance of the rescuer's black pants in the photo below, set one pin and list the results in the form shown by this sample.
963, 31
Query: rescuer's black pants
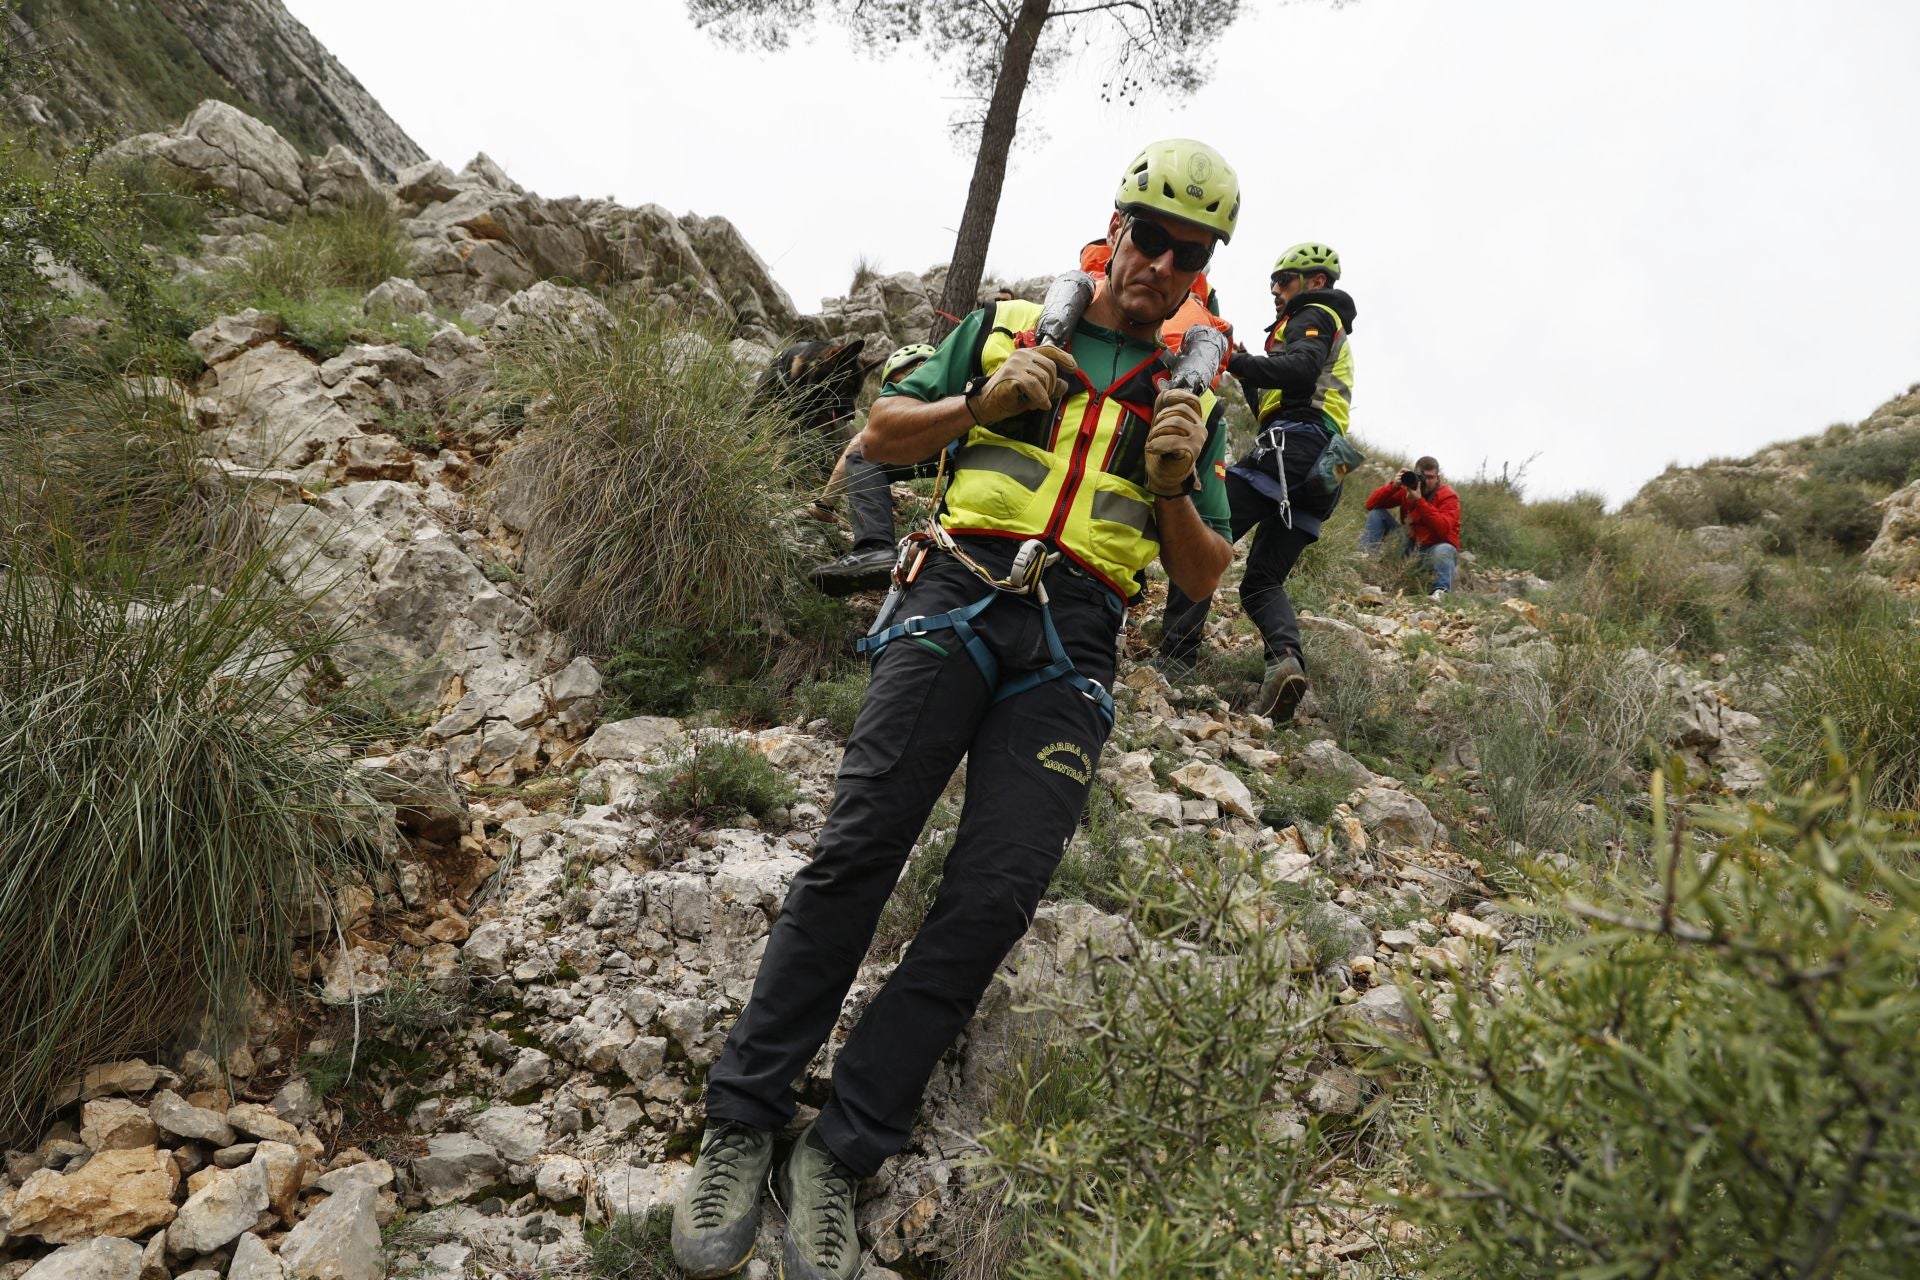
1030, 761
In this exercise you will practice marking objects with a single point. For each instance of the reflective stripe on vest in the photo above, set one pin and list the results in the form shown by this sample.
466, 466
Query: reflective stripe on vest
1075, 476
1333, 390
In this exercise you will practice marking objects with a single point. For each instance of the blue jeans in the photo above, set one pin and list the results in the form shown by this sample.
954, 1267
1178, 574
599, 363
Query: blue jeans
1440, 558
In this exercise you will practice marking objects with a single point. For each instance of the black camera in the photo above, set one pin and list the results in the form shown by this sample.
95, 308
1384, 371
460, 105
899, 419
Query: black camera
1410, 479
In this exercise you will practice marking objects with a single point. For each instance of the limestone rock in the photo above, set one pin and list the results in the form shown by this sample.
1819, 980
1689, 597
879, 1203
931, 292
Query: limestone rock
396, 296
253, 1261
634, 1189
114, 1124
102, 1258
1384, 1010
221, 148
266, 409
455, 1166
282, 1169
368, 1173
228, 1204
339, 180
340, 1240
1396, 818
1220, 785
117, 1193
1322, 758
1896, 548
640, 738
228, 336
175, 1115
556, 308
129, 1076
517, 1133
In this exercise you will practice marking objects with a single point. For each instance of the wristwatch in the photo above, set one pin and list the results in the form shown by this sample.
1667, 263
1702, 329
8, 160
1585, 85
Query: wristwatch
975, 385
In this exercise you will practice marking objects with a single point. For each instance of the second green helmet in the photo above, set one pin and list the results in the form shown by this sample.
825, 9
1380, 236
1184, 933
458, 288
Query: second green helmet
1309, 256
905, 358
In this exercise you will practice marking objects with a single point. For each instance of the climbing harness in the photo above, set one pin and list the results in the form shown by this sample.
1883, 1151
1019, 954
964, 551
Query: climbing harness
1025, 578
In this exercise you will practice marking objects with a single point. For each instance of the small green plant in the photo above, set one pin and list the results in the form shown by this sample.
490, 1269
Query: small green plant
1861, 682
1716, 1068
837, 700
633, 1248
1188, 1036
1562, 729
919, 884
718, 780
1096, 862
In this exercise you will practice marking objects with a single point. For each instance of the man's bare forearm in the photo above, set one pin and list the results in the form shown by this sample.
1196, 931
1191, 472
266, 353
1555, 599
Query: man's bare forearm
901, 429
1194, 555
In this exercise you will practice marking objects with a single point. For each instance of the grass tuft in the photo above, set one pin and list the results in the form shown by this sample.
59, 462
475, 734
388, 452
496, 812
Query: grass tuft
657, 495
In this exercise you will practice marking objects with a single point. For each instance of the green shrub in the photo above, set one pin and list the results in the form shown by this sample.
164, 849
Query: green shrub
169, 813
633, 1248
657, 494
1886, 460
1637, 589
1716, 1073
328, 321
1172, 1161
352, 249
1098, 858
1562, 729
918, 885
837, 701
1366, 704
1863, 680
720, 780
168, 212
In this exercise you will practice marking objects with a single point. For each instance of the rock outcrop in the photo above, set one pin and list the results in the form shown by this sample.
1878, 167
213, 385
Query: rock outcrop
132, 63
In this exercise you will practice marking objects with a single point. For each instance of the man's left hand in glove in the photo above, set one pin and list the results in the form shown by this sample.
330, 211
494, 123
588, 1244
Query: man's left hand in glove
1175, 439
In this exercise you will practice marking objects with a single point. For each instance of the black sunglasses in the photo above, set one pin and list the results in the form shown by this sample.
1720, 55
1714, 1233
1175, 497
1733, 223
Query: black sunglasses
1285, 277
1152, 240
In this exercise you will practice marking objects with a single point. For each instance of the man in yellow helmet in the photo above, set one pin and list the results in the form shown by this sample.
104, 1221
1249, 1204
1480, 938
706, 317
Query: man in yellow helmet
1301, 390
1077, 468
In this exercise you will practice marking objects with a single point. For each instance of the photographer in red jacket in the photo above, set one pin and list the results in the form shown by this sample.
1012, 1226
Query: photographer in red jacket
1429, 520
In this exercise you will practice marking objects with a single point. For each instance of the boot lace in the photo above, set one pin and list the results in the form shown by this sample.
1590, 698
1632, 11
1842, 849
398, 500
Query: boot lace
833, 1221
722, 1162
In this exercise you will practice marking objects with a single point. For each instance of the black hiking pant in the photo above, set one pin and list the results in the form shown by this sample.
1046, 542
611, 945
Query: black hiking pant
869, 487
1030, 761
1263, 591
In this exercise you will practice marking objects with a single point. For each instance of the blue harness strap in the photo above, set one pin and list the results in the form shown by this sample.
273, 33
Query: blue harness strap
960, 622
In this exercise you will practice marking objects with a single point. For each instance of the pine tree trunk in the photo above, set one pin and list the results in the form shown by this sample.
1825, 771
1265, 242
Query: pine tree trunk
961, 294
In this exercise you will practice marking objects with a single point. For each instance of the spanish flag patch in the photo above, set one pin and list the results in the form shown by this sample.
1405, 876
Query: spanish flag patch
1220, 470
1313, 333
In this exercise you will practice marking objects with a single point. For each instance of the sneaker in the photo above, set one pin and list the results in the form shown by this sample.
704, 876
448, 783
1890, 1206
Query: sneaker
1280, 692
1439, 595
821, 1243
716, 1221
857, 570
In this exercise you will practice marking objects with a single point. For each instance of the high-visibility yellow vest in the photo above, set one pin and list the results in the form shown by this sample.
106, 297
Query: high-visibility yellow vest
1074, 476
1333, 392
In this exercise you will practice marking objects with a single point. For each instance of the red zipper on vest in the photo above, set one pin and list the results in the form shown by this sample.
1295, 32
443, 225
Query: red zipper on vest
1082, 445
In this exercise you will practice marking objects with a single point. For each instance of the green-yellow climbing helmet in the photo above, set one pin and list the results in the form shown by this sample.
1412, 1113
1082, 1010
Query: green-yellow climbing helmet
1309, 257
904, 359
1183, 179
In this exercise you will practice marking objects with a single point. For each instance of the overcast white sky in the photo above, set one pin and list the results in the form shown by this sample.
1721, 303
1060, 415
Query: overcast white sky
1600, 236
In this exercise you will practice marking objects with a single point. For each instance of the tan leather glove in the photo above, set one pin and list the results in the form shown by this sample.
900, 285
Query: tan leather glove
1030, 379
1174, 440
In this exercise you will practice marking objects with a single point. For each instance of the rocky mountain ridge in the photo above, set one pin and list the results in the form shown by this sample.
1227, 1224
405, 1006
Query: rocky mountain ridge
140, 64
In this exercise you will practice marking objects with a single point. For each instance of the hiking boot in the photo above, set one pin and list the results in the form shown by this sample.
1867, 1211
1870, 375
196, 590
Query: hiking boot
817, 1190
1280, 692
715, 1223
868, 570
